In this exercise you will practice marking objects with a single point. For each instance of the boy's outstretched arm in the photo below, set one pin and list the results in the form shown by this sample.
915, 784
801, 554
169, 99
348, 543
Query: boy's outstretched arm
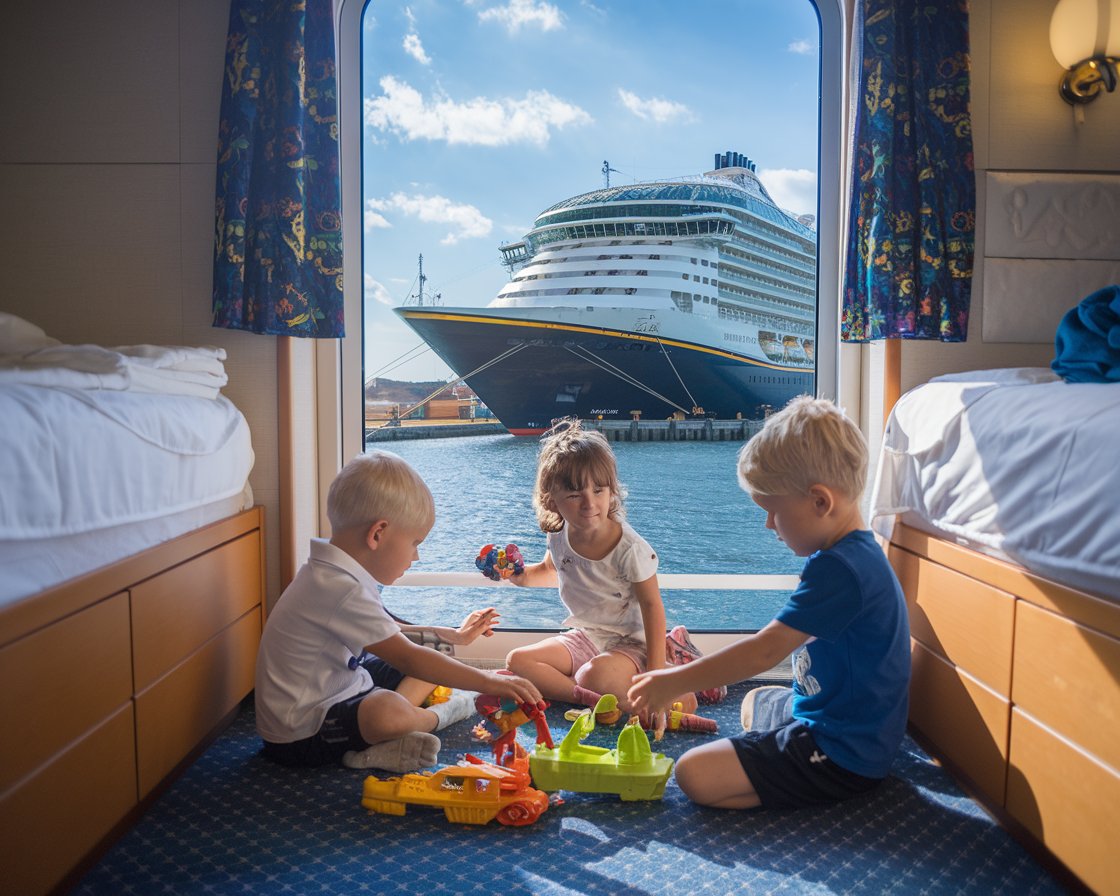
541, 575
479, 622
431, 665
745, 658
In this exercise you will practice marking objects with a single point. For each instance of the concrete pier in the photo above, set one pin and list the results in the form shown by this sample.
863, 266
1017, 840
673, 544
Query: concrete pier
675, 430
614, 430
433, 431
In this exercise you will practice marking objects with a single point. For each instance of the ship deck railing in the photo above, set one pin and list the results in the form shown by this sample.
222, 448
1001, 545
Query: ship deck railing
490, 653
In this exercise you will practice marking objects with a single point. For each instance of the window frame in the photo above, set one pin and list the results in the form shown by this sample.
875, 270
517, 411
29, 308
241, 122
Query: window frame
342, 428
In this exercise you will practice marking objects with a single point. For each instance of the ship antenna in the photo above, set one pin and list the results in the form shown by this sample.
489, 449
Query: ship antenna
607, 169
423, 279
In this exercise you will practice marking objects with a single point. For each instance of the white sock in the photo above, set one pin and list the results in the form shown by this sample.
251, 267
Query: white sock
459, 706
417, 749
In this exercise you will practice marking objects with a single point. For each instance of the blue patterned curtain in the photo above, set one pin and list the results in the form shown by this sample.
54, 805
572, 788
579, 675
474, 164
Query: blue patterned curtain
908, 272
278, 239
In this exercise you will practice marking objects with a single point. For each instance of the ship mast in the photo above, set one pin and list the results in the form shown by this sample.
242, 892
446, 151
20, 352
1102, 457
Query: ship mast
420, 293
607, 169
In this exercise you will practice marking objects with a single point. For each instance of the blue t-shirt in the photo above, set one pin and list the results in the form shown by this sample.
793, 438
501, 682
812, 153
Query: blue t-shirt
852, 679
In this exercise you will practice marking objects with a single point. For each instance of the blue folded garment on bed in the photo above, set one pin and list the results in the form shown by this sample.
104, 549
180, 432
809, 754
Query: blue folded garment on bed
1087, 345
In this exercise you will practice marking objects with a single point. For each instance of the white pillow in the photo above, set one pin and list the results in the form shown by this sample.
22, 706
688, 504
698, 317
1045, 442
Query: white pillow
18, 336
1004, 376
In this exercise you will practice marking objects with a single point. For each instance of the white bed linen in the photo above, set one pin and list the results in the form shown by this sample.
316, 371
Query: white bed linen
31, 565
78, 462
1016, 463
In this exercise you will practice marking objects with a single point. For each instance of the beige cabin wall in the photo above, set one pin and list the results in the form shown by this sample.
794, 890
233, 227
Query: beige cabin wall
107, 166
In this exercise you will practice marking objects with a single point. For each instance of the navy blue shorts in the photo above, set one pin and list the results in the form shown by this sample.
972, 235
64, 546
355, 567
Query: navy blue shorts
339, 732
788, 769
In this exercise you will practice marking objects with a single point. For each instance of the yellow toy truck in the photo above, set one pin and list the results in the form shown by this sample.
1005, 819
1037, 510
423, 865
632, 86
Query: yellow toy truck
472, 792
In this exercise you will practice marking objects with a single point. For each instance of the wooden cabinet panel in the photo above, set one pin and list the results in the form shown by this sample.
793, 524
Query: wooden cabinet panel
966, 722
52, 819
174, 613
182, 707
1065, 676
1067, 799
59, 682
968, 622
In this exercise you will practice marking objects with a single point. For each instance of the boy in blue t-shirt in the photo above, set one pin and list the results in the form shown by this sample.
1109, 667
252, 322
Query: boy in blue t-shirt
836, 732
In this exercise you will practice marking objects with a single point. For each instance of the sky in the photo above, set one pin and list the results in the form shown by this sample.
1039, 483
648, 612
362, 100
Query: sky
480, 114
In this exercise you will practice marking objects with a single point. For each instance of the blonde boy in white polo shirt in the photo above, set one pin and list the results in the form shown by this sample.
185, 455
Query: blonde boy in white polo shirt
336, 678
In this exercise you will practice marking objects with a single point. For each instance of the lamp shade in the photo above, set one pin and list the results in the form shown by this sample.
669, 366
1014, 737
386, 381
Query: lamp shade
1080, 29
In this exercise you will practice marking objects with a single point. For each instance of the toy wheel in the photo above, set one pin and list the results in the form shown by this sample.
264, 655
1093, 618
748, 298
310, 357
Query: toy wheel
520, 813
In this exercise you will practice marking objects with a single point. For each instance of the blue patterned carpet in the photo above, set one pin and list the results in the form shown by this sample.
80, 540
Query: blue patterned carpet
235, 823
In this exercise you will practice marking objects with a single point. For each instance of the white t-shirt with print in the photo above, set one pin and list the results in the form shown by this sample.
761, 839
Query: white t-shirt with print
599, 594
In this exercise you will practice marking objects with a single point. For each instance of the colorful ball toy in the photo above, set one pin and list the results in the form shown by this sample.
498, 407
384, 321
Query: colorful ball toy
498, 563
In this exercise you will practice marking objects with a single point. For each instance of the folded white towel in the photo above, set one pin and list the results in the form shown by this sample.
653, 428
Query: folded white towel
165, 370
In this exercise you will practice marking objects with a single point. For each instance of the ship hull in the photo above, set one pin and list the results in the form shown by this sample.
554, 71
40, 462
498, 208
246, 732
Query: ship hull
533, 367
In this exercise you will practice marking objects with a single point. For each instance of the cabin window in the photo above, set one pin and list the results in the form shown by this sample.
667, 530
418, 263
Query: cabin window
473, 122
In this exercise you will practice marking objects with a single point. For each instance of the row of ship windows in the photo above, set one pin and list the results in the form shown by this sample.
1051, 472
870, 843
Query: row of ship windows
778, 305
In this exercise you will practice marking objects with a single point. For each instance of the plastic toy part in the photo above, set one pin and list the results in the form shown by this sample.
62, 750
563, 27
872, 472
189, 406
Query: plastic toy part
439, 695
676, 720
506, 717
498, 563
473, 792
631, 769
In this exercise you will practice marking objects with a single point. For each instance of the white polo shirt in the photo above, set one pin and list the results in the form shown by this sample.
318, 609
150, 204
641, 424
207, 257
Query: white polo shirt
328, 614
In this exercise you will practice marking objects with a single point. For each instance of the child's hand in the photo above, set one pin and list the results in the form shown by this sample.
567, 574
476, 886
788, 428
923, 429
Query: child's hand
506, 684
480, 622
652, 692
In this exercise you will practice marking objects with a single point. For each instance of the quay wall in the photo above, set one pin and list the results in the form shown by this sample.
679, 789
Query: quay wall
613, 430
675, 430
433, 431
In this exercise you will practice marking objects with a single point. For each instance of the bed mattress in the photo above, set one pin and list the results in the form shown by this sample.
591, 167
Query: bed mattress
91, 476
1016, 463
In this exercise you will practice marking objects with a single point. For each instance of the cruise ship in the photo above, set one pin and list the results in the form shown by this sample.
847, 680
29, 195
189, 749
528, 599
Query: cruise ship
679, 298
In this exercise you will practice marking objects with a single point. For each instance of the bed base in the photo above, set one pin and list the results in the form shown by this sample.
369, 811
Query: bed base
1016, 688
111, 681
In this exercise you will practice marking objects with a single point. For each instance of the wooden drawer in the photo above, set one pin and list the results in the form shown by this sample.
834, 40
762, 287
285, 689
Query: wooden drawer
1068, 800
181, 708
965, 722
1065, 677
222, 585
969, 623
56, 816
59, 682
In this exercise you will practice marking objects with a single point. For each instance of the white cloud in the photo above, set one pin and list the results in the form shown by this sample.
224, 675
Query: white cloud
794, 190
802, 48
518, 14
654, 109
415, 49
373, 220
377, 292
480, 121
466, 221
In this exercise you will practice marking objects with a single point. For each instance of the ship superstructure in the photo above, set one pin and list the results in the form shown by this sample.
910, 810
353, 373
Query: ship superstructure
694, 296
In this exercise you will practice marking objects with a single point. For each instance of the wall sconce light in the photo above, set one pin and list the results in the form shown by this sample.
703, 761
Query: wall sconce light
1085, 39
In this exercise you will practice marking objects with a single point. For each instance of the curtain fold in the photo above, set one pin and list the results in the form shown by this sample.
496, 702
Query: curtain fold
278, 228
911, 232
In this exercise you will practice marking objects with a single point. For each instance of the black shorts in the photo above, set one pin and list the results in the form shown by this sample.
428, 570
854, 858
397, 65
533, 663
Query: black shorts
339, 732
788, 769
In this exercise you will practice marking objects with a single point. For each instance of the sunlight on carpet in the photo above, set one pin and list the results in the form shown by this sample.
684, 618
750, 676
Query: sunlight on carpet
236, 823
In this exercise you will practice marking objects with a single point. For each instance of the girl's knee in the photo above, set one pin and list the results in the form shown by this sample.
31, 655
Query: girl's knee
517, 660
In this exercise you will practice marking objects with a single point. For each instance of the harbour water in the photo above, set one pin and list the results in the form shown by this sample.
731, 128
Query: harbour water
683, 498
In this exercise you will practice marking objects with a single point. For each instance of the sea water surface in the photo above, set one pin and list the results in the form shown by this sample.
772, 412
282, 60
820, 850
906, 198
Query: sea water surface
683, 498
